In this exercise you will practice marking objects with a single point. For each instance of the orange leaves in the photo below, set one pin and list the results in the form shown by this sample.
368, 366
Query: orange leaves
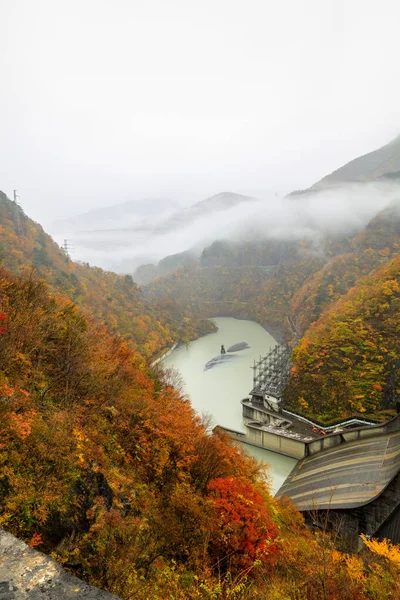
6, 391
113, 299
303, 403
18, 413
355, 568
21, 424
165, 432
36, 540
391, 287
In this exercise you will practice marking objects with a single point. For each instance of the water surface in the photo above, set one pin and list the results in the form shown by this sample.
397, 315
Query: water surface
217, 391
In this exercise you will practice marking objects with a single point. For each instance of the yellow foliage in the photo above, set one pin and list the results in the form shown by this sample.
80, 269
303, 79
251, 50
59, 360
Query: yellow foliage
383, 548
355, 568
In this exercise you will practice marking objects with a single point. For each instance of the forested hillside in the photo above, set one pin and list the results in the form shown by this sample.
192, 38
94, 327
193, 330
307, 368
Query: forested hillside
103, 465
292, 299
377, 243
349, 361
107, 468
262, 293
113, 299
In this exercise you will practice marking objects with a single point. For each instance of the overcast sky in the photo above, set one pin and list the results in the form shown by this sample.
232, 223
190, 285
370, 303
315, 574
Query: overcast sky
103, 101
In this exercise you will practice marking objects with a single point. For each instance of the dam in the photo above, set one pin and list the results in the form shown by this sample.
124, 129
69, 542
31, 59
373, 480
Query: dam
270, 426
352, 489
347, 479
343, 477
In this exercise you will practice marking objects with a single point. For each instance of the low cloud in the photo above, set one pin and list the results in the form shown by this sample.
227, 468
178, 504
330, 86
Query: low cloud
126, 240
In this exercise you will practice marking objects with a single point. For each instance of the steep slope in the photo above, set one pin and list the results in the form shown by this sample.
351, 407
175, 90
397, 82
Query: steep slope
108, 468
377, 243
382, 162
113, 299
349, 362
270, 250
262, 293
293, 298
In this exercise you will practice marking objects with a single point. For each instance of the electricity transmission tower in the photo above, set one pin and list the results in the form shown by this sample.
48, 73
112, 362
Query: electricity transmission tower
67, 247
17, 215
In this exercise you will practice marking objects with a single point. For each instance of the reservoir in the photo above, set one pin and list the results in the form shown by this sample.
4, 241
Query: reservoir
217, 390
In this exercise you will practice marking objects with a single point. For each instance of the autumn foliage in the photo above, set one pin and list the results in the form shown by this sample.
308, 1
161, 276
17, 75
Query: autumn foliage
348, 363
114, 300
334, 302
101, 463
246, 531
3, 328
105, 466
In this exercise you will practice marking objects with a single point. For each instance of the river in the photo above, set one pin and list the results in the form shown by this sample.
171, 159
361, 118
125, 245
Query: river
217, 391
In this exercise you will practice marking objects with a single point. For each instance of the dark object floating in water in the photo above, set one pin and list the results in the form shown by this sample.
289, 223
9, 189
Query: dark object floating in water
239, 346
217, 360
223, 351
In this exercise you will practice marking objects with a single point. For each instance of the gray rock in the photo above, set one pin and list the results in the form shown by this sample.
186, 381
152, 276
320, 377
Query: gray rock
27, 573
238, 347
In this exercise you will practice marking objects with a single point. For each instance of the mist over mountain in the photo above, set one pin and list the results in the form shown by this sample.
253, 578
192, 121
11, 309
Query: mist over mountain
134, 213
377, 164
148, 228
383, 163
126, 236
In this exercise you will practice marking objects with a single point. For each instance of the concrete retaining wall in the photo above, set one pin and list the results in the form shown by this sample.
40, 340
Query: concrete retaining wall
275, 442
335, 439
167, 353
290, 445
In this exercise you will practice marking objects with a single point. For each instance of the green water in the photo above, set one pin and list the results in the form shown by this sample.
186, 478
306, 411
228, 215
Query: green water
218, 391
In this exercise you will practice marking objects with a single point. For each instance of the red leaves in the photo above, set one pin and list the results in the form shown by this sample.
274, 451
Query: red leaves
90, 405
245, 530
36, 540
3, 328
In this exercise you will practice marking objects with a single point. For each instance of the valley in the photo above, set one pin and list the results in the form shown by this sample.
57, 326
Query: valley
199, 300
108, 464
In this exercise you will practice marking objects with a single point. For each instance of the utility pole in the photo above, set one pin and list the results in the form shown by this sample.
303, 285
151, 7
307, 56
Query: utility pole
17, 215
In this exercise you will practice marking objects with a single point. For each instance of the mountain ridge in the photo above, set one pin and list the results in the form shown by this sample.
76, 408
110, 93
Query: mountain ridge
367, 167
113, 299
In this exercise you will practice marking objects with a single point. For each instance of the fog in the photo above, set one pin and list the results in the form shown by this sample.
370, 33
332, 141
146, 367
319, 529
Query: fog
110, 102
333, 212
